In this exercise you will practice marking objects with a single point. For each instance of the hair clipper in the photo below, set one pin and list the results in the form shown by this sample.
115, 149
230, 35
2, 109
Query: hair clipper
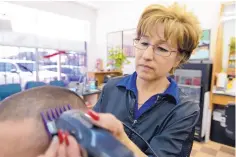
97, 141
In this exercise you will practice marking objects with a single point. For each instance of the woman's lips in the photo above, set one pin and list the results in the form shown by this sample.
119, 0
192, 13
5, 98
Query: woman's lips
146, 67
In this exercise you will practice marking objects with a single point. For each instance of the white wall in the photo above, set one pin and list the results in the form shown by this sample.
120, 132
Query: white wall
229, 25
124, 15
74, 10
34, 41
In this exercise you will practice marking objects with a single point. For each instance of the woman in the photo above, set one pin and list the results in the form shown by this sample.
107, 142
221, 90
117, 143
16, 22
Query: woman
148, 101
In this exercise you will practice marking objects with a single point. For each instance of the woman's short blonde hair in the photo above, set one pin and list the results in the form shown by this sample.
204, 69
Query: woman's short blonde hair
181, 27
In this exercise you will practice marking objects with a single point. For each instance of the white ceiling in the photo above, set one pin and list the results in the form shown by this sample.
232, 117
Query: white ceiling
100, 4
89, 4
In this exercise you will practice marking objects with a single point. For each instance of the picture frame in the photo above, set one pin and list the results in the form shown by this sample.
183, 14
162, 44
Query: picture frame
127, 44
114, 40
123, 40
202, 52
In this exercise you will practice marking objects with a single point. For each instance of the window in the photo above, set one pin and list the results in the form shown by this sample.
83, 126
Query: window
75, 59
27, 53
51, 69
66, 70
76, 71
26, 67
9, 67
2, 67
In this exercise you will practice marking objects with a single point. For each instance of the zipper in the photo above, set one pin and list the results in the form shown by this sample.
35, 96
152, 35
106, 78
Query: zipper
158, 102
131, 132
134, 122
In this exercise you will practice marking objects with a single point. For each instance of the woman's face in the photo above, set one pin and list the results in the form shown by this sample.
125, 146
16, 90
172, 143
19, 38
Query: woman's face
154, 57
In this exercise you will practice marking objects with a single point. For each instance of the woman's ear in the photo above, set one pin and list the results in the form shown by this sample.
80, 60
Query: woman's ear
178, 60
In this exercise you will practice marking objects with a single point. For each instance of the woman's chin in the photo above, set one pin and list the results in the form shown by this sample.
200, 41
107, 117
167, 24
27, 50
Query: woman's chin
145, 76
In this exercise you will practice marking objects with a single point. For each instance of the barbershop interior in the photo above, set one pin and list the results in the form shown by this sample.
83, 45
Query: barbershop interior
165, 69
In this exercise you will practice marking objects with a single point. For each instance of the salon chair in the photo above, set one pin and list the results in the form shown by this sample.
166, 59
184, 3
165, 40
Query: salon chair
7, 90
57, 83
33, 84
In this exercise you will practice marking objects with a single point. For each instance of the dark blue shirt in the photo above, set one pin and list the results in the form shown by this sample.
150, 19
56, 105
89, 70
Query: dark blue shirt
168, 127
130, 84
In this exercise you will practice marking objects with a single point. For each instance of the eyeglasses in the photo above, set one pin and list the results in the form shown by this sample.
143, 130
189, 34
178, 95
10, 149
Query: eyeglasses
143, 44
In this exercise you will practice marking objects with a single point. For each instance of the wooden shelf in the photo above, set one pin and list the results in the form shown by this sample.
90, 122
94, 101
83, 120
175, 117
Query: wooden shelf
231, 71
222, 99
99, 75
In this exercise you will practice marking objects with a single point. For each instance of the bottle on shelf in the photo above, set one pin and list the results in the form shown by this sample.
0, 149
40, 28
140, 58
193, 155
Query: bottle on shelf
221, 83
92, 84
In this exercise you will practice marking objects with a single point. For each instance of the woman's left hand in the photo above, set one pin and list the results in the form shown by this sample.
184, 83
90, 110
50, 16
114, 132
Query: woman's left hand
110, 123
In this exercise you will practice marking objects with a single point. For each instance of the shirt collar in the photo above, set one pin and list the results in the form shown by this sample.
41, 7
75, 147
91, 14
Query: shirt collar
129, 82
173, 90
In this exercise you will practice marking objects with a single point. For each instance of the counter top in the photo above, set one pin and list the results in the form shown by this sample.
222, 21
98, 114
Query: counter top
96, 91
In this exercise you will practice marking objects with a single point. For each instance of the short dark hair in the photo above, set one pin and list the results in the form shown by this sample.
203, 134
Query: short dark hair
30, 103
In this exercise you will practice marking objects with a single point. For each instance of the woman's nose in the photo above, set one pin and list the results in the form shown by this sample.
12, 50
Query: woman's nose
148, 54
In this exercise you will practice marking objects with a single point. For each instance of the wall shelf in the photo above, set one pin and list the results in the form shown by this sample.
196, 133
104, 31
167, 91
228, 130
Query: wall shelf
222, 50
222, 99
231, 71
100, 75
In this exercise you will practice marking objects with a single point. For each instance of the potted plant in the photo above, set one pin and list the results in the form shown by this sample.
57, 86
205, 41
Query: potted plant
232, 45
117, 58
232, 56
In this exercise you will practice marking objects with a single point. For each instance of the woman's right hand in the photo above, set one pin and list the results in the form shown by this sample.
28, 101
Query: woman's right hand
67, 148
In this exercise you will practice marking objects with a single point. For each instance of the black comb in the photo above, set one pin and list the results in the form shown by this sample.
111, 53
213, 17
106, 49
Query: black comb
49, 116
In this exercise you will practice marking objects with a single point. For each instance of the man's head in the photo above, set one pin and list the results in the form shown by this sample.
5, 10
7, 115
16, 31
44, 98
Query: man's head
166, 37
22, 131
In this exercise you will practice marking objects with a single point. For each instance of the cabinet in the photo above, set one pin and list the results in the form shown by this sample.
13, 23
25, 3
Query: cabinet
223, 54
